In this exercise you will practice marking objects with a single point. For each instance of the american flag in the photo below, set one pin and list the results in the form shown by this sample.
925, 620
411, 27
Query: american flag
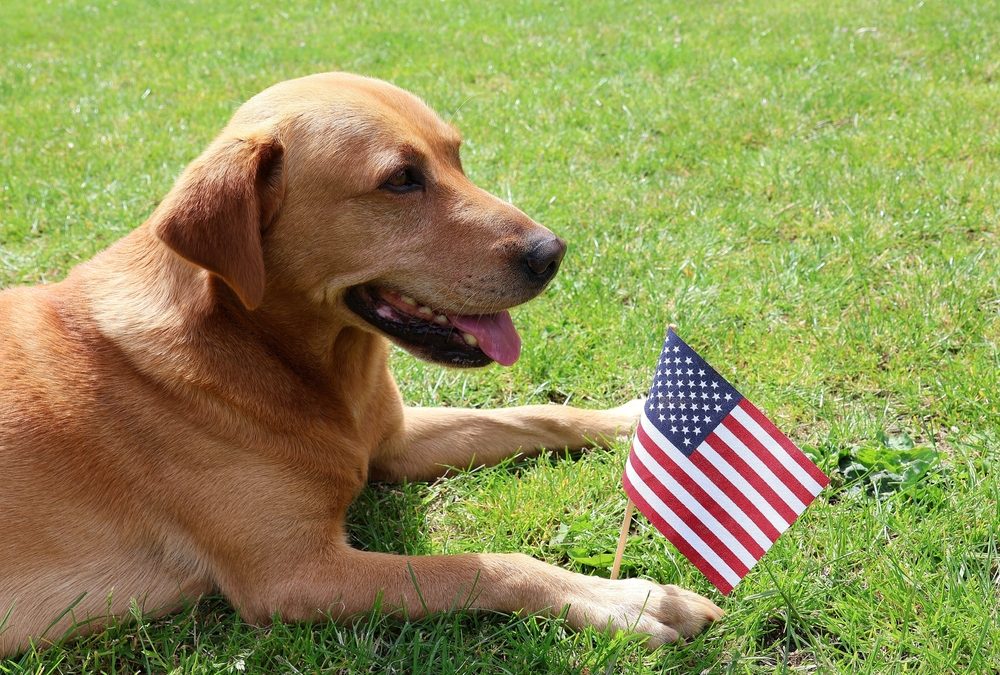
712, 473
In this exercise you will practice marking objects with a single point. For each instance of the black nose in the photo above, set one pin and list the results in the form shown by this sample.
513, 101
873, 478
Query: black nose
541, 262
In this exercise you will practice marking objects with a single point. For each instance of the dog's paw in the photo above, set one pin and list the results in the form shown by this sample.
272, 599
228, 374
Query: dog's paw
664, 613
623, 419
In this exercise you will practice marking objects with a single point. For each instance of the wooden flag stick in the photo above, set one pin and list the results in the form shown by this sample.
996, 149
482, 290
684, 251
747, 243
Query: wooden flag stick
626, 522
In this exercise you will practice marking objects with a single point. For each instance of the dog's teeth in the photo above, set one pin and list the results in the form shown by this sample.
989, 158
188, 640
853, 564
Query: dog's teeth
441, 319
425, 311
470, 340
408, 300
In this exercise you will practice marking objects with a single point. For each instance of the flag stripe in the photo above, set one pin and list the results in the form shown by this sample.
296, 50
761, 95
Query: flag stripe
709, 496
747, 472
737, 484
674, 538
767, 465
678, 533
800, 458
758, 440
705, 474
730, 491
801, 494
711, 531
810, 487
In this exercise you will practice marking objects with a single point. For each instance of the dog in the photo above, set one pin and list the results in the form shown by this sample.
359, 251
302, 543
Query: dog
194, 409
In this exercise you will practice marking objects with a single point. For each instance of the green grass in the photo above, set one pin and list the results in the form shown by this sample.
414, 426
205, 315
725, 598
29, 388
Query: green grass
809, 190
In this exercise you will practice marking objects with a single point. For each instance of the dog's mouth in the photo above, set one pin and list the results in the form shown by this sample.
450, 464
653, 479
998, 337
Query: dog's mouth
463, 340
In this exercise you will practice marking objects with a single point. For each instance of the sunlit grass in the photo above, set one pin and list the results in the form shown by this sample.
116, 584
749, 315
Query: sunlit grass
808, 190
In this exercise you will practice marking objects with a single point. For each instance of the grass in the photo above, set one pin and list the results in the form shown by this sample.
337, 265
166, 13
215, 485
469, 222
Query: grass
808, 189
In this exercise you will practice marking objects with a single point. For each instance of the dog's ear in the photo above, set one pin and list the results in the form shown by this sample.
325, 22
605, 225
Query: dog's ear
215, 215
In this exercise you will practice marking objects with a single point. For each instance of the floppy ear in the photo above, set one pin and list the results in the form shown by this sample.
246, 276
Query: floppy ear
216, 212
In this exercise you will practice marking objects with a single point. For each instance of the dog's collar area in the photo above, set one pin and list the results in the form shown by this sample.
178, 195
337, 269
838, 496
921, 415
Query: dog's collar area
416, 327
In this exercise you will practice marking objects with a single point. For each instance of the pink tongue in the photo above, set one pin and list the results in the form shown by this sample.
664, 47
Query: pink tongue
496, 334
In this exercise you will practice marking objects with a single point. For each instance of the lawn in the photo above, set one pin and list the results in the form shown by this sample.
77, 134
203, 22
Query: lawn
809, 190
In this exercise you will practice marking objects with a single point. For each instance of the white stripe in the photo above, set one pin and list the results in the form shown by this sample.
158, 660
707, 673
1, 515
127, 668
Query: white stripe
706, 518
678, 525
755, 463
707, 484
740, 483
768, 441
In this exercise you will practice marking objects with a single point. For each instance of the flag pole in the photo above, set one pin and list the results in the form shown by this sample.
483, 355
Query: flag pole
627, 520
617, 564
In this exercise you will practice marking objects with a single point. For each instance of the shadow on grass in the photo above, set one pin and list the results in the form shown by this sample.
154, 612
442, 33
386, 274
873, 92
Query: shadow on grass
391, 518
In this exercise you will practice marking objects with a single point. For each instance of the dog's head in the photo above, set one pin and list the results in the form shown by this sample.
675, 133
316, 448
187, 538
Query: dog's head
348, 193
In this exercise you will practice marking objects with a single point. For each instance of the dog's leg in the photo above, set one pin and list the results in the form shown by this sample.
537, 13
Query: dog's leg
433, 439
347, 582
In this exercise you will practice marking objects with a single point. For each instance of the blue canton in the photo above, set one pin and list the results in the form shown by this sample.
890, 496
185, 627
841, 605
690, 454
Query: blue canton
688, 399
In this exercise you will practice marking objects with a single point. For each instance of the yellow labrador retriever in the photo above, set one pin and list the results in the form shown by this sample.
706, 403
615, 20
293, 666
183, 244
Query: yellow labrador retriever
194, 409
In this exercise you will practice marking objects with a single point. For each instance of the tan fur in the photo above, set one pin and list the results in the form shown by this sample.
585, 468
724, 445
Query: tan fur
195, 408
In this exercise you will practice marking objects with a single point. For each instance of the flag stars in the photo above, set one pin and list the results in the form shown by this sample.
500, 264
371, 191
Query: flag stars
718, 408
715, 396
687, 359
728, 397
673, 430
660, 406
687, 441
715, 385
662, 418
701, 372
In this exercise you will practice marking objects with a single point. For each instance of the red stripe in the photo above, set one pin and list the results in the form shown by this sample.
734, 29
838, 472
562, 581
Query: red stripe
698, 493
678, 541
752, 477
688, 518
793, 452
734, 493
769, 460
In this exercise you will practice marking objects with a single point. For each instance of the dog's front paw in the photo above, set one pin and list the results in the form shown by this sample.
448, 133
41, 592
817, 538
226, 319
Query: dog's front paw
664, 613
621, 421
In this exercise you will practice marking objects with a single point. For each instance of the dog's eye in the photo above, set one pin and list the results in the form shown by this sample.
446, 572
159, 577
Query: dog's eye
404, 180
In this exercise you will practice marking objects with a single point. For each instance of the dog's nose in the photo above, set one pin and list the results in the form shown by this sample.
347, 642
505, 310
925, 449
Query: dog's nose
541, 262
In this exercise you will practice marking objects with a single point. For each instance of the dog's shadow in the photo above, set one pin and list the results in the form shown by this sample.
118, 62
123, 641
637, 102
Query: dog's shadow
399, 518
389, 518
